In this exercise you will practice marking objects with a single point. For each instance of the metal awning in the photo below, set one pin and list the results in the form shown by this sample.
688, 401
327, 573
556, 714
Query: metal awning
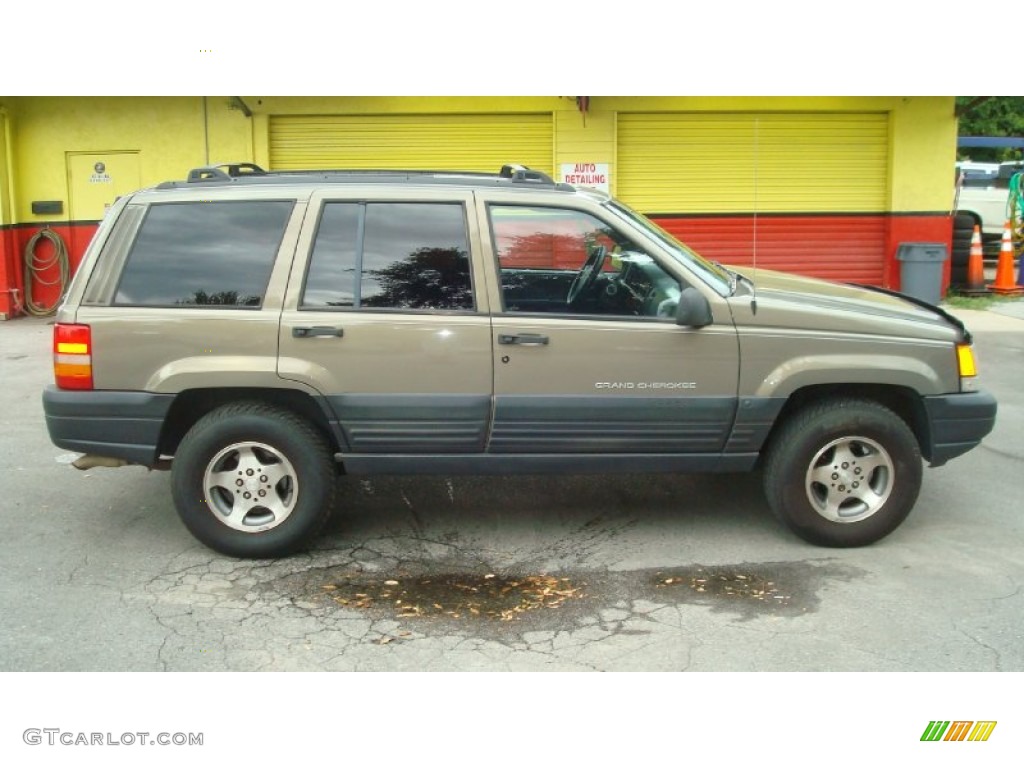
997, 142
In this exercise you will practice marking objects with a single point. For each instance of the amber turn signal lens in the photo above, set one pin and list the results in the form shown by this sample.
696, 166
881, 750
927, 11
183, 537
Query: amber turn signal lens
965, 360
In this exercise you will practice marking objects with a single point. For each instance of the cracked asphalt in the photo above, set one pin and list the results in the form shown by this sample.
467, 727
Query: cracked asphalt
652, 573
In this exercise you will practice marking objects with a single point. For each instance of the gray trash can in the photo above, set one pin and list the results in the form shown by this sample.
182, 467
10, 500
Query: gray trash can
921, 270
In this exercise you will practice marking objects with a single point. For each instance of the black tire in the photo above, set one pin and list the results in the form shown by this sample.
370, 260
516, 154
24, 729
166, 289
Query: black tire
960, 252
958, 276
271, 481
963, 223
855, 492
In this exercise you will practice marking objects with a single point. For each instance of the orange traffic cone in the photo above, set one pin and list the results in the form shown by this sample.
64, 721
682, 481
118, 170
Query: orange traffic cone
976, 267
1004, 283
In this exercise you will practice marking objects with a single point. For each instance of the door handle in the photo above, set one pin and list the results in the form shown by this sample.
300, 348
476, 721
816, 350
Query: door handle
524, 339
306, 332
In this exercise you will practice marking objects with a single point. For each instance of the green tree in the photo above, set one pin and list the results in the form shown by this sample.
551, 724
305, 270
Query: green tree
996, 116
430, 278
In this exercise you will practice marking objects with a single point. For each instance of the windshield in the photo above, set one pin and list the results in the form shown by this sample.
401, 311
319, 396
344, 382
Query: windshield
713, 274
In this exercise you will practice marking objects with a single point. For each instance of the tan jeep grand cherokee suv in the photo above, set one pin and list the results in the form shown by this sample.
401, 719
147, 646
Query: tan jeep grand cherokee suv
259, 333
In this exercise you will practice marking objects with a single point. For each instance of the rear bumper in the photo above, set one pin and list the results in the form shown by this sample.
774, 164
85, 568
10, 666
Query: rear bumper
957, 423
122, 425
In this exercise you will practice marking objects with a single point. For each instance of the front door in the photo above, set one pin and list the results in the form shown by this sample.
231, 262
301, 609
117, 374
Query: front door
588, 357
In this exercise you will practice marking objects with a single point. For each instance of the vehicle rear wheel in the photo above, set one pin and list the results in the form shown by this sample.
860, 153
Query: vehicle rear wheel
843, 473
251, 480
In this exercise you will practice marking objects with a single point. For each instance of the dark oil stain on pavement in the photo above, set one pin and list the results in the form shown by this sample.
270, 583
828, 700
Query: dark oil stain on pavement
489, 596
496, 604
750, 589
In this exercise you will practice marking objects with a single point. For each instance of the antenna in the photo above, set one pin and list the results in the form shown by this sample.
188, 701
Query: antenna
757, 161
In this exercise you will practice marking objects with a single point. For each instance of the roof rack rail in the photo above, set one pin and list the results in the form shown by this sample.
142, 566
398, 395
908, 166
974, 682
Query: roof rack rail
216, 172
246, 173
342, 172
522, 173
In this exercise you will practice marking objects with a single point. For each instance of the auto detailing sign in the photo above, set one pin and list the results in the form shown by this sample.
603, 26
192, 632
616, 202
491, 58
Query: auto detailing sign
587, 175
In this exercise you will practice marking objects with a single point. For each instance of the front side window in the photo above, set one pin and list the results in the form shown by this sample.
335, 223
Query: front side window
204, 254
412, 256
564, 261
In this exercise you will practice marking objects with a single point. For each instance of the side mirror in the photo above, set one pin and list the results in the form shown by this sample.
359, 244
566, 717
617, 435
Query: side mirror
693, 311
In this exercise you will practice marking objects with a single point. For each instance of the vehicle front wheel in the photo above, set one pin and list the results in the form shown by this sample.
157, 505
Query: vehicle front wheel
843, 473
251, 480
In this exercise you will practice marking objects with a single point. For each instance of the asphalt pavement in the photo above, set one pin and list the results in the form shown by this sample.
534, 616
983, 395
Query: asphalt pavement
654, 573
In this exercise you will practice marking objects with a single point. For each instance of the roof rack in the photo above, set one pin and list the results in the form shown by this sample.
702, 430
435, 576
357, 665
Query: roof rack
232, 173
522, 173
215, 172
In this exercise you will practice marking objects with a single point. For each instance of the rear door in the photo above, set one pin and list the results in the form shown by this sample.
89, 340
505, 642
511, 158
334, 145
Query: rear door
383, 321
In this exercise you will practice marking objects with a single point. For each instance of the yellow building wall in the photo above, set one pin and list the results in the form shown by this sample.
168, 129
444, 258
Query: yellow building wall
264, 106
170, 135
6, 212
585, 138
922, 129
173, 134
923, 133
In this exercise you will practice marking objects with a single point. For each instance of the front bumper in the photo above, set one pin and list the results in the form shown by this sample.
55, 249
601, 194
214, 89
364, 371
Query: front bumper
957, 423
122, 425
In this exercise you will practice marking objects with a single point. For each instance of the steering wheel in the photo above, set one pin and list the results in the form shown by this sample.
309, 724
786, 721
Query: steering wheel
588, 274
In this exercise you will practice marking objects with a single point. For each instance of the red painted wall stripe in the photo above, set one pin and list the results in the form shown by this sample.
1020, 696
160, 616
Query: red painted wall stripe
937, 228
846, 248
8, 277
13, 239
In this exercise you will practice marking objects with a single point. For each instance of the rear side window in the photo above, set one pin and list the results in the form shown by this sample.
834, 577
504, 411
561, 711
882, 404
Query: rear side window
204, 254
390, 256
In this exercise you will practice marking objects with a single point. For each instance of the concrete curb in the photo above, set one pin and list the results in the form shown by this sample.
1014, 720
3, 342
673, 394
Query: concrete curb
1009, 308
992, 319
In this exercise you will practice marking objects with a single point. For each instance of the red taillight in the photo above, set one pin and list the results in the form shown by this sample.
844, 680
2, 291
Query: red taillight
72, 356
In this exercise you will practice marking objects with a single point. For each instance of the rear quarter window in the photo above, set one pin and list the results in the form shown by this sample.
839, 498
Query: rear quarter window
204, 254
